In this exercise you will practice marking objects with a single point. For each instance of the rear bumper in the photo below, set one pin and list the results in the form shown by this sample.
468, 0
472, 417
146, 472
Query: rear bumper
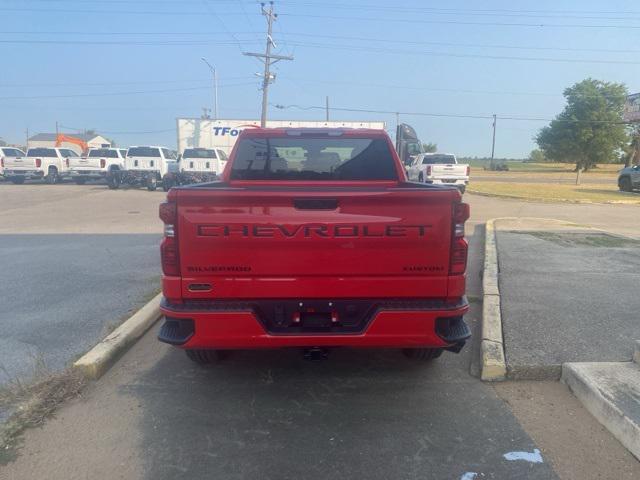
28, 174
391, 324
448, 181
87, 173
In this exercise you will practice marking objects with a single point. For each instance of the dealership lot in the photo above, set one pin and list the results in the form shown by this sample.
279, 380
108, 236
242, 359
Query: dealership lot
156, 415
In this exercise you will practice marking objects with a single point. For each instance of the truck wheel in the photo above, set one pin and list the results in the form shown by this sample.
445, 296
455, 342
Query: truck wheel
152, 183
17, 180
206, 357
625, 184
114, 180
52, 176
422, 353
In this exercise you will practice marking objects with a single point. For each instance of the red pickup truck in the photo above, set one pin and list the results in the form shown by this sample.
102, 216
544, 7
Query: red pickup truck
314, 238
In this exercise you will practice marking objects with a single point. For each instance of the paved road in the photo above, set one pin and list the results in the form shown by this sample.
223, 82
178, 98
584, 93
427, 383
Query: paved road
358, 415
75, 261
566, 298
362, 414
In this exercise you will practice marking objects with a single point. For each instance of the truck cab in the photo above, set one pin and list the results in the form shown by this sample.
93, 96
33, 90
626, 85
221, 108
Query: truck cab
50, 164
97, 164
149, 166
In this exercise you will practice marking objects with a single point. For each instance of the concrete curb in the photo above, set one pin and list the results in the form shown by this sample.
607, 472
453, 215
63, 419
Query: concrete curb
493, 364
549, 200
98, 360
609, 392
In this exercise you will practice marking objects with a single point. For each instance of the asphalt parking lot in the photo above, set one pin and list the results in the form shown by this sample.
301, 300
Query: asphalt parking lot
75, 262
271, 414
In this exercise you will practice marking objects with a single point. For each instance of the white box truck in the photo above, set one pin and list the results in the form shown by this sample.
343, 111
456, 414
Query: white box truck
222, 134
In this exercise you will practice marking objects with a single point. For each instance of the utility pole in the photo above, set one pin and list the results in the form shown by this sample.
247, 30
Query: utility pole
215, 87
268, 59
327, 106
493, 143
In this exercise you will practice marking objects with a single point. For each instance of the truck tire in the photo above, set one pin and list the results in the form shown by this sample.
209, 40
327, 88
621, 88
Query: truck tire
114, 180
152, 183
52, 176
206, 357
17, 180
625, 184
425, 354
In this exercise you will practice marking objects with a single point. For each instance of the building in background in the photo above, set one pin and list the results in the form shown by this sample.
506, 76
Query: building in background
48, 140
222, 134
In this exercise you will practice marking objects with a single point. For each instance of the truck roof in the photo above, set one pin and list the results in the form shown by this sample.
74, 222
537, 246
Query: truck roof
346, 132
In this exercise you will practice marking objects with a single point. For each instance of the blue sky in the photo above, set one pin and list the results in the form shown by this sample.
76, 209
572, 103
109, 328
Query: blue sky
130, 68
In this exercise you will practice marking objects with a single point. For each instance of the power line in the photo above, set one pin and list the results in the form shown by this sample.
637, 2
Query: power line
452, 115
115, 94
123, 42
466, 45
459, 55
103, 84
459, 22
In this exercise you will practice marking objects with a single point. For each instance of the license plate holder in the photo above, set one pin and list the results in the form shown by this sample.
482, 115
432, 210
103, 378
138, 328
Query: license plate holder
315, 319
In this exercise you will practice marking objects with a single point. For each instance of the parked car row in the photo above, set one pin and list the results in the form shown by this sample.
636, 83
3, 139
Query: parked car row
149, 166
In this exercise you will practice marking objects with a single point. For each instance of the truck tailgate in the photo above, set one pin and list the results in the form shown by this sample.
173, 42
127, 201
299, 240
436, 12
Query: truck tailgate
20, 163
390, 242
79, 163
449, 171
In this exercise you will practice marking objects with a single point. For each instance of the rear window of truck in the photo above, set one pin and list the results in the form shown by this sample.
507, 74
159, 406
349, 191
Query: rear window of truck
199, 153
41, 152
326, 158
439, 160
143, 152
103, 152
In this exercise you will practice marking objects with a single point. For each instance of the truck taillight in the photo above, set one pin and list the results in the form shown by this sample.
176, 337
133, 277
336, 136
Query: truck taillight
459, 246
169, 247
468, 170
2, 162
38, 162
428, 170
66, 162
103, 163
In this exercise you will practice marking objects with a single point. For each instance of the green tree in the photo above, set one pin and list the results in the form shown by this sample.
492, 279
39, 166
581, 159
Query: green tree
590, 129
430, 147
537, 156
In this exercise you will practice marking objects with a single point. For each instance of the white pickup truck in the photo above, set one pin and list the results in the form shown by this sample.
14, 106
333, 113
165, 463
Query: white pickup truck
439, 169
148, 165
97, 164
8, 154
50, 164
200, 165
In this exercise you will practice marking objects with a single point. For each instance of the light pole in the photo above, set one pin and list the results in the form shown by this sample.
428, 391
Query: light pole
215, 88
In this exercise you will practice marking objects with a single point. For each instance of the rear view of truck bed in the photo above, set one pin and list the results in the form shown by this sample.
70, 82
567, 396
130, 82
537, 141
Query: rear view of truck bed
314, 239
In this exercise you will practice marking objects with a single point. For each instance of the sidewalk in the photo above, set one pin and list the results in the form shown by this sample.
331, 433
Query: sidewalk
568, 294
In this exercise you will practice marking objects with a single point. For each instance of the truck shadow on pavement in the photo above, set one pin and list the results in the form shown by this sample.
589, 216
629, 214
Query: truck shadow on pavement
360, 414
